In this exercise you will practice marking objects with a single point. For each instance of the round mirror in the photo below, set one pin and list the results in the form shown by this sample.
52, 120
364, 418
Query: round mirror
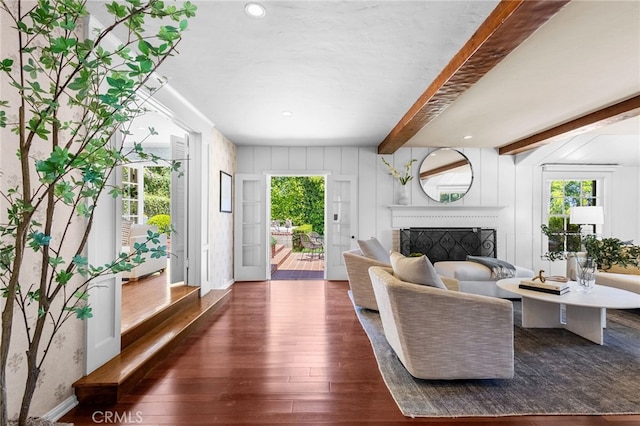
446, 175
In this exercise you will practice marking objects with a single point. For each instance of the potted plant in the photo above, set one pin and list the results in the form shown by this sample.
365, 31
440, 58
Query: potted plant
68, 94
403, 178
606, 252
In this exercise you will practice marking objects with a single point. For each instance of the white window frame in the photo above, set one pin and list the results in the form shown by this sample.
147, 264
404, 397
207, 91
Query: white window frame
602, 174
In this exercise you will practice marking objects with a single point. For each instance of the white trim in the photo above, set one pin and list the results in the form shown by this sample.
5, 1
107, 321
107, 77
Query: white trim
445, 216
584, 168
296, 173
61, 409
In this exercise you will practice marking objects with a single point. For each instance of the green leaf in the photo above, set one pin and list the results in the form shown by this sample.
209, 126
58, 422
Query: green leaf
189, 9
144, 47
80, 260
83, 312
38, 240
63, 277
82, 295
5, 65
34, 295
56, 261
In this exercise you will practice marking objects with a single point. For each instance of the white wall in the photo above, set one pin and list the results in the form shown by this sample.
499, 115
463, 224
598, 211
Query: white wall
497, 182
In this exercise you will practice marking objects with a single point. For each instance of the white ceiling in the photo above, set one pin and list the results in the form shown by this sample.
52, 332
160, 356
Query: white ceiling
349, 70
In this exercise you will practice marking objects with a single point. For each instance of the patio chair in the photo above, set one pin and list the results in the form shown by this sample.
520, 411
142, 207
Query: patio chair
315, 247
318, 239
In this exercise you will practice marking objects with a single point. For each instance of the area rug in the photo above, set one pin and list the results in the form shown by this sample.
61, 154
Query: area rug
556, 372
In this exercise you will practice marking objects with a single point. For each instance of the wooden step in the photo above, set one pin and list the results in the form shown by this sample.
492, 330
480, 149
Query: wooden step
118, 376
179, 298
281, 256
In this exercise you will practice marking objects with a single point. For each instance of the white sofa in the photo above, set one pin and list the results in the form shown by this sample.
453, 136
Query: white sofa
138, 234
476, 278
629, 282
624, 278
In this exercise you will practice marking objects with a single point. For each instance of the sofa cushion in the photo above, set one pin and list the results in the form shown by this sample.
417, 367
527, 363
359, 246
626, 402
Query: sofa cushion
417, 270
372, 249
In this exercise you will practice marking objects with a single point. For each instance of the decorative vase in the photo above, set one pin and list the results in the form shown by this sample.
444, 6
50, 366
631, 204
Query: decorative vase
403, 199
586, 274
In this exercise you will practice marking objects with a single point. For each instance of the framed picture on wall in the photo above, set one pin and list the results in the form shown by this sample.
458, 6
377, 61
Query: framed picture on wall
225, 192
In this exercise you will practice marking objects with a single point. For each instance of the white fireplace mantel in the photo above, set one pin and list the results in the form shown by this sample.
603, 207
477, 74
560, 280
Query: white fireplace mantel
445, 216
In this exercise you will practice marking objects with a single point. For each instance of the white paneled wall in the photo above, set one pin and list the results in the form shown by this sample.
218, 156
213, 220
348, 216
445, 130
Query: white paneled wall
498, 181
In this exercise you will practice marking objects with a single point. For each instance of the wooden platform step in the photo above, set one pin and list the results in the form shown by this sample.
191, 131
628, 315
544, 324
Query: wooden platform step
180, 297
118, 376
282, 253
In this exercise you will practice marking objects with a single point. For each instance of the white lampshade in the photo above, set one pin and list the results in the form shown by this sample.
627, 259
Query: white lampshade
587, 215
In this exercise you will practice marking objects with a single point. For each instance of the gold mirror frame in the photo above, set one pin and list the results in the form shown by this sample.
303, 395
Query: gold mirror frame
446, 175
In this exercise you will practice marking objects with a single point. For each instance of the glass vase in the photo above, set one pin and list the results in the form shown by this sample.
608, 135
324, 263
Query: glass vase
586, 274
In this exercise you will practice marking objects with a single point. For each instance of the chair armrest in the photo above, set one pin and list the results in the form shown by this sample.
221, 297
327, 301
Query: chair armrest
357, 267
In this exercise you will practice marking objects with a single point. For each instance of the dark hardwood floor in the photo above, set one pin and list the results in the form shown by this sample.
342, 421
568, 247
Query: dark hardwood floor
281, 352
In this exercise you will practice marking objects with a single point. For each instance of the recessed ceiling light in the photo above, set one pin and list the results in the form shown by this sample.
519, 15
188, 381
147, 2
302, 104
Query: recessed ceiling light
255, 10
287, 113
467, 137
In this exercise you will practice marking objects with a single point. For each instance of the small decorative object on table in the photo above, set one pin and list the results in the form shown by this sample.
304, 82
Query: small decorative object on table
554, 285
402, 178
586, 274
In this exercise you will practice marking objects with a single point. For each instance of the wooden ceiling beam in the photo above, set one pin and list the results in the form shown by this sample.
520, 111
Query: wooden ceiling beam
586, 123
508, 25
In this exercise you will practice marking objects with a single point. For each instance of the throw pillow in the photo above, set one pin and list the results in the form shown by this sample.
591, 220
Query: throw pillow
417, 270
372, 248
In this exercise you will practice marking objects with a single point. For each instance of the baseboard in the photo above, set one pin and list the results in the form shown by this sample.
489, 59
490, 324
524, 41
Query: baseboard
61, 409
229, 283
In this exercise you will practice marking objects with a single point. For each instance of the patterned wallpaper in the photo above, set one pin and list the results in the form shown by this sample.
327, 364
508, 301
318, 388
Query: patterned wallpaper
64, 362
223, 158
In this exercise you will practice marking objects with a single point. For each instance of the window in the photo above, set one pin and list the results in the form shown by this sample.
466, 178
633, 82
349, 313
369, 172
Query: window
131, 194
563, 195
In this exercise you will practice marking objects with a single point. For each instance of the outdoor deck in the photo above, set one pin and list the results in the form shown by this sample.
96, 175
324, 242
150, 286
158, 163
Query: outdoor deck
288, 265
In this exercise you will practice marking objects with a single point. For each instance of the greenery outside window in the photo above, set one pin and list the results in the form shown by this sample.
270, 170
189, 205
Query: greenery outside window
563, 194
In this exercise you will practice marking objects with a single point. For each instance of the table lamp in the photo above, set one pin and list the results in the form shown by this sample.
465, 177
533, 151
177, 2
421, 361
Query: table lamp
587, 217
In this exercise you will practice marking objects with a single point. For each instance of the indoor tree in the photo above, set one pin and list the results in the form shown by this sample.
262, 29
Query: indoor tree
65, 94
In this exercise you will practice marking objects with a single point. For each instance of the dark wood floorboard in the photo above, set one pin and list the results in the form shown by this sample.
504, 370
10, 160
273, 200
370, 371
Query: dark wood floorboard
282, 353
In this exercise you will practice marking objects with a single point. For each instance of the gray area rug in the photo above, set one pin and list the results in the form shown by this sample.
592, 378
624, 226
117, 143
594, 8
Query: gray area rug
556, 372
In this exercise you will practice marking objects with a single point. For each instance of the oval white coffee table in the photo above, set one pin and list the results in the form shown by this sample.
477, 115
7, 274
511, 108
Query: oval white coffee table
585, 313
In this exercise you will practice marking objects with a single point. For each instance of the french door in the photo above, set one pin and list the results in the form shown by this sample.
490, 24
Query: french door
179, 216
340, 223
250, 218
251, 251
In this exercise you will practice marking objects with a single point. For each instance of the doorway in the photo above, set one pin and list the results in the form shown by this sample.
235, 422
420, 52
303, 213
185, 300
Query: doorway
251, 224
154, 199
297, 227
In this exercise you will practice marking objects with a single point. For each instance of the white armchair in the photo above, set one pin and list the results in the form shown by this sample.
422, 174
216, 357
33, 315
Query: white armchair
138, 234
442, 334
